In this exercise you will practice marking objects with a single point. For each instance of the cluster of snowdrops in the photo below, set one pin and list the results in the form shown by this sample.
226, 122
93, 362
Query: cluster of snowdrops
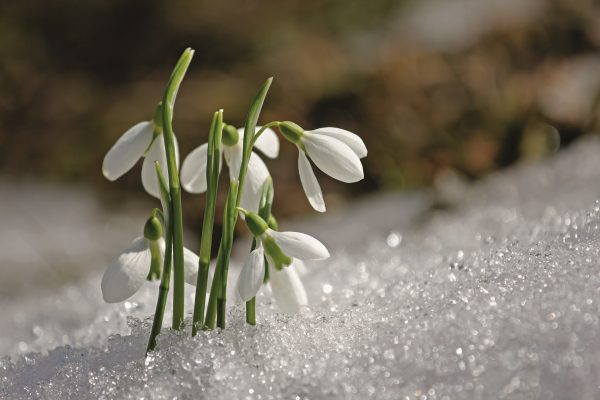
275, 257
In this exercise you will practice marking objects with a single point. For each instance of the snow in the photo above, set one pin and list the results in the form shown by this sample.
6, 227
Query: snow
495, 295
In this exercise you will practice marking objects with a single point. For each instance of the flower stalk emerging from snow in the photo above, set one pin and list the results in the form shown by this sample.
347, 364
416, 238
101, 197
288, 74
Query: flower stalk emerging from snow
212, 168
335, 151
165, 280
176, 228
255, 268
216, 309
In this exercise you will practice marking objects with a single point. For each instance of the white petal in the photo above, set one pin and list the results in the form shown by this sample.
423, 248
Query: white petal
288, 290
127, 272
233, 158
333, 157
256, 175
310, 184
255, 179
190, 266
268, 143
350, 139
299, 245
193, 170
156, 153
129, 148
299, 266
252, 275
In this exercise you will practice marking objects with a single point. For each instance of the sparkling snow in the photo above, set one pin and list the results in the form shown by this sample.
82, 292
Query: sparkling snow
496, 295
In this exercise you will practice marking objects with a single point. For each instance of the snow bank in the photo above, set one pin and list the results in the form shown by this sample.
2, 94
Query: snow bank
496, 297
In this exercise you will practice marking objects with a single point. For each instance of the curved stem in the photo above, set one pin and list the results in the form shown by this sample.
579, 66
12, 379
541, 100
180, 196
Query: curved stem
163, 290
249, 133
264, 211
217, 300
176, 230
261, 130
218, 291
212, 177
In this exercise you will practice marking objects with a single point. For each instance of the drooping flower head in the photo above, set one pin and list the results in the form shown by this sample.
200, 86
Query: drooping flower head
279, 249
142, 260
335, 151
193, 169
144, 139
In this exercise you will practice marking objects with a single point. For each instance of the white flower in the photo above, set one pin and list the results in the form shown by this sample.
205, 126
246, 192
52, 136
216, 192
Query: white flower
252, 275
281, 249
288, 290
126, 273
139, 141
286, 286
299, 245
193, 169
335, 151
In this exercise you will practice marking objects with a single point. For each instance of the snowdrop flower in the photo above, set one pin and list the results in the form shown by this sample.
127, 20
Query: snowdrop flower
193, 169
252, 275
280, 249
127, 272
144, 139
335, 151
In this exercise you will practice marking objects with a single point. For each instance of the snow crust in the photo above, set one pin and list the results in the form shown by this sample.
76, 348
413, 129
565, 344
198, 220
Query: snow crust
495, 295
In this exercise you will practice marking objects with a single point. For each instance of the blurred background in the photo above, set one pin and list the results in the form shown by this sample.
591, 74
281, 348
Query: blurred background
441, 91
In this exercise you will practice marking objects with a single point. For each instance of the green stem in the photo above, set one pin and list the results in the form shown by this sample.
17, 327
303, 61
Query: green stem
261, 130
176, 230
163, 290
264, 211
211, 308
231, 215
249, 131
212, 177
251, 311
215, 312
220, 281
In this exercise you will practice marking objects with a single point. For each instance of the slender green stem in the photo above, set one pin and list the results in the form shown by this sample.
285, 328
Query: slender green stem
176, 227
249, 130
264, 211
215, 312
251, 311
251, 304
261, 130
211, 308
163, 290
231, 214
212, 177
217, 300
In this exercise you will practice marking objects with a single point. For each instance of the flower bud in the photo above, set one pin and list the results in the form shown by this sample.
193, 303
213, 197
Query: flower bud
230, 135
153, 229
256, 224
291, 131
